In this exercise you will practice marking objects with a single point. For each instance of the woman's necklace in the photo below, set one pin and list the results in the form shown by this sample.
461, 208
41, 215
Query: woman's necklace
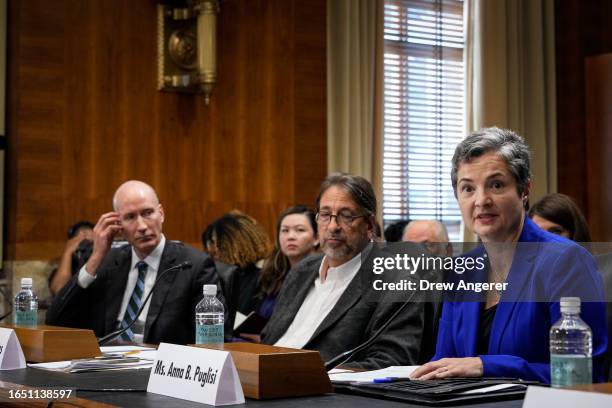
498, 273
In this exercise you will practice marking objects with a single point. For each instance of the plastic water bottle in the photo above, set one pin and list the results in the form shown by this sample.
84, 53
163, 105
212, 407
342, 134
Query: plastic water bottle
25, 305
571, 346
209, 317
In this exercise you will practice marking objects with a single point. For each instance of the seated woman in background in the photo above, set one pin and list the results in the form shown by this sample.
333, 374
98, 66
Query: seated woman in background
237, 239
497, 335
559, 214
296, 238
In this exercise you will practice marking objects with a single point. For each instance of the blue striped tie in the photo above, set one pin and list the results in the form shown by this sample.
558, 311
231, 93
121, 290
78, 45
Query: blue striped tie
135, 301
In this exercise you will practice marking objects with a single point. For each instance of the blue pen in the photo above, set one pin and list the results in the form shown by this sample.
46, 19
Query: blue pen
389, 380
384, 380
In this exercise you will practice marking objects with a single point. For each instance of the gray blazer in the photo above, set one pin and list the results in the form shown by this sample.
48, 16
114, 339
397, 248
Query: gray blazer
352, 321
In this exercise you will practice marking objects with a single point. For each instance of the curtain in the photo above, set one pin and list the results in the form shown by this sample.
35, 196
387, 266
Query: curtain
510, 77
354, 89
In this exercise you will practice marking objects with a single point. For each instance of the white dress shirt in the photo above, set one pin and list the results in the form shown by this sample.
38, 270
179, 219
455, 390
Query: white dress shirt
152, 261
319, 301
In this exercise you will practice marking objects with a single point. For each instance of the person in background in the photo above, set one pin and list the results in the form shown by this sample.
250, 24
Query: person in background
236, 239
296, 238
559, 214
393, 232
496, 334
323, 303
111, 287
431, 234
75, 255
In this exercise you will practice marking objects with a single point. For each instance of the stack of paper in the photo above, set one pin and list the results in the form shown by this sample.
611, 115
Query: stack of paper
144, 353
113, 358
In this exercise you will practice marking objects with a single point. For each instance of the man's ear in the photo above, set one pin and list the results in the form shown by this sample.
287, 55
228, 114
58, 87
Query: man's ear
160, 208
371, 225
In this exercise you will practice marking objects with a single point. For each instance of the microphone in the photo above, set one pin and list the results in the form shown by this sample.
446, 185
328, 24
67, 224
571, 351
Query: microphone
347, 355
111, 336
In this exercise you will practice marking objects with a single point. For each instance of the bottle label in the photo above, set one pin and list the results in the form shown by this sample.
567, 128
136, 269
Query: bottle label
209, 333
568, 370
25, 318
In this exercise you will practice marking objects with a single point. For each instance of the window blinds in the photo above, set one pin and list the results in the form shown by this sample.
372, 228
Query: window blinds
423, 109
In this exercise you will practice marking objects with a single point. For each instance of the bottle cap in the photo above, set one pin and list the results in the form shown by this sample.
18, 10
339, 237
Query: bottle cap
210, 290
570, 305
26, 281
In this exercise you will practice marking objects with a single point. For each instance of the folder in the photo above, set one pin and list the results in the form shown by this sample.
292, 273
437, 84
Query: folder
442, 392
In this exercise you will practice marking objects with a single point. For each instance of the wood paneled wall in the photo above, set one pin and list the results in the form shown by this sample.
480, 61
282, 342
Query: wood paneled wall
598, 109
84, 115
582, 29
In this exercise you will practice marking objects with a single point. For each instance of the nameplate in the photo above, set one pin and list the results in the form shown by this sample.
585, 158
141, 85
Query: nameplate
538, 397
195, 374
11, 355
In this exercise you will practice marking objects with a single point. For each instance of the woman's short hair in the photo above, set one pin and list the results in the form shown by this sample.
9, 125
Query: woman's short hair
562, 210
238, 239
507, 144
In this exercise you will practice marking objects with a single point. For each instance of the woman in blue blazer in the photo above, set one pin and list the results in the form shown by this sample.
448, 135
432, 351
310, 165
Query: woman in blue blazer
506, 333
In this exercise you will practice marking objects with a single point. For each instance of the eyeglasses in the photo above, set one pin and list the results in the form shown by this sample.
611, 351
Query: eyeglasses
324, 218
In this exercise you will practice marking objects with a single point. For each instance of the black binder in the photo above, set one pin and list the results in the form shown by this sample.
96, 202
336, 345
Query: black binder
440, 392
253, 324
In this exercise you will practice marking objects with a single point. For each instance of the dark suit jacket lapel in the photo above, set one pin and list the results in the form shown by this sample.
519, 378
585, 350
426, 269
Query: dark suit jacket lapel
160, 292
295, 299
116, 281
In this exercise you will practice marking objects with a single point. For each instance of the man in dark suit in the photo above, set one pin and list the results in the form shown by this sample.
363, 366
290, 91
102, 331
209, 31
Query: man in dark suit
323, 303
113, 284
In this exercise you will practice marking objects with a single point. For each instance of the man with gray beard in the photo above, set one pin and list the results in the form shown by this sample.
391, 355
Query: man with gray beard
322, 306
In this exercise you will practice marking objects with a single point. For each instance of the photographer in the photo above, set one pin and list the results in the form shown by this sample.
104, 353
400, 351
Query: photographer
76, 253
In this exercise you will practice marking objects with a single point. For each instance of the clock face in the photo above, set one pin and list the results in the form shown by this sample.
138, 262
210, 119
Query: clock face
183, 49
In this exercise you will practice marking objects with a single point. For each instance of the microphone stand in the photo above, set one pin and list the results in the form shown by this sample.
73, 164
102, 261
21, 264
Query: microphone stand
347, 355
105, 339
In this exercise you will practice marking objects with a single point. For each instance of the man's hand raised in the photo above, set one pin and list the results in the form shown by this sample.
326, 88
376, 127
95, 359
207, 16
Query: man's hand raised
104, 232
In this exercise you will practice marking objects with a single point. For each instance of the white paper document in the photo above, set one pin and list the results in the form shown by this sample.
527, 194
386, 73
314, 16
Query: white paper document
124, 349
370, 376
89, 365
144, 353
493, 388
113, 358
11, 354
